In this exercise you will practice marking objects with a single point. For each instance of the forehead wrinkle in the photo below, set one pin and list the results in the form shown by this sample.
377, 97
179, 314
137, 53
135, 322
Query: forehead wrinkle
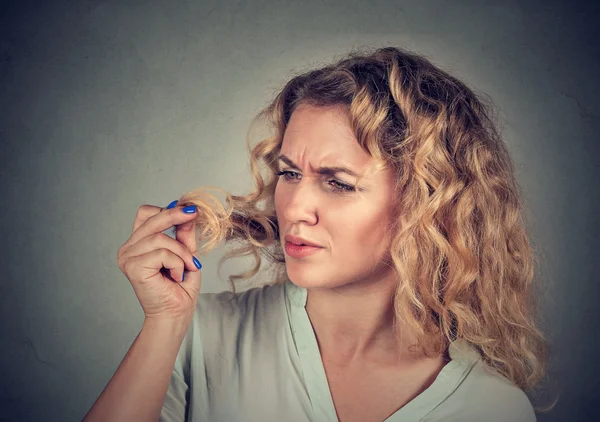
336, 160
323, 169
293, 135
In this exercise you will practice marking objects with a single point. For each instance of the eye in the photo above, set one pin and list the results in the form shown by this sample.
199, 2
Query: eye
336, 186
287, 175
341, 187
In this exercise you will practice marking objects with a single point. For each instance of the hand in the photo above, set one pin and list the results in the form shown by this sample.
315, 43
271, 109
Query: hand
155, 263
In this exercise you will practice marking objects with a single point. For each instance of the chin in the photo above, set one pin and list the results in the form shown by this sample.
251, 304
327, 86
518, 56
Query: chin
312, 278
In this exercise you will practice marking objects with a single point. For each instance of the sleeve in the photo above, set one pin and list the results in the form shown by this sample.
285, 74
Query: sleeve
188, 395
176, 403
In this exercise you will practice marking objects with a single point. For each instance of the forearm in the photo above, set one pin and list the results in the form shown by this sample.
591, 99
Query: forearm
138, 388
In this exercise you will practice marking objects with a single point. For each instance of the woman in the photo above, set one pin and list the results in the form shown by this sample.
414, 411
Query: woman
401, 270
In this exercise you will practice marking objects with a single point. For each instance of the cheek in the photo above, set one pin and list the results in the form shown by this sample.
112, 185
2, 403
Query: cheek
359, 230
280, 198
277, 196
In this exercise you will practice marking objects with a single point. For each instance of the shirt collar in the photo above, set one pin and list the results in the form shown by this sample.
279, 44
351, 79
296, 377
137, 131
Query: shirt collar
459, 349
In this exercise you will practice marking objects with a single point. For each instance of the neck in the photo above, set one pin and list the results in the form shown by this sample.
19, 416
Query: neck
355, 323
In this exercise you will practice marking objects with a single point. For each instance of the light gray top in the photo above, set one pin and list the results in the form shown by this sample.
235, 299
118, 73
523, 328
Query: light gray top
256, 359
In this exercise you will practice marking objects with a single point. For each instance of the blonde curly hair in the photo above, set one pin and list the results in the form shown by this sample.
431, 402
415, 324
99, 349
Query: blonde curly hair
463, 258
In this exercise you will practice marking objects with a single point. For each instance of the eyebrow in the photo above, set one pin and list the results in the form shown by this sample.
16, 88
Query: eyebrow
328, 171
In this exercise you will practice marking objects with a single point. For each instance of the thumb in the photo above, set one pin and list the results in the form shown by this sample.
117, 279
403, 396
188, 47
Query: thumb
186, 234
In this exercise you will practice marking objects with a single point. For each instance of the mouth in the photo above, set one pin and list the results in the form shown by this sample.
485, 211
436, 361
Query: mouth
299, 241
295, 250
303, 244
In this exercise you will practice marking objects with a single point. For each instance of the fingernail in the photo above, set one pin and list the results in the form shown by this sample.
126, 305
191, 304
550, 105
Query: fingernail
172, 204
189, 210
183, 277
196, 262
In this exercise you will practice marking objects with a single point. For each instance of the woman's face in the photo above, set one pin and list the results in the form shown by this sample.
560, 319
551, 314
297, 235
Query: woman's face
348, 221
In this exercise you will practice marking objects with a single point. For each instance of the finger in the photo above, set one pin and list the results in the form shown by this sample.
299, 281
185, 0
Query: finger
193, 282
161, 221
153, 262
143, 214
163, 241
186, 234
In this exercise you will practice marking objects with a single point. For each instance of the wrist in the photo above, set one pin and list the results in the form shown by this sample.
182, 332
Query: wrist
168, 325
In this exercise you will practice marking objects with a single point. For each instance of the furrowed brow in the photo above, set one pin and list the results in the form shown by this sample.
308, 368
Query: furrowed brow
328, 171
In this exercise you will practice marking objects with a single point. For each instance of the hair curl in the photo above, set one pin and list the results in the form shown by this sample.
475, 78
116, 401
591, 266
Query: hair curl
459, 246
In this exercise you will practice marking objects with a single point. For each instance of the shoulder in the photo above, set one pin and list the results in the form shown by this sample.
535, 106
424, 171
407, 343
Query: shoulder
486, 395
227, 303
498, 395
226, 314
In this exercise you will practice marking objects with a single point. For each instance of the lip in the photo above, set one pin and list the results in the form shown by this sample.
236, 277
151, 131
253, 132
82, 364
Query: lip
297, 240
297, 251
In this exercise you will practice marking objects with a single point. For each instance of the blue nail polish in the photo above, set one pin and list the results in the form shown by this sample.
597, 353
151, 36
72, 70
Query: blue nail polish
172, 204
183, 277
196, 262
189, 210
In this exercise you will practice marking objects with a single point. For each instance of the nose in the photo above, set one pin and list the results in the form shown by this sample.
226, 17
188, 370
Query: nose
300, 202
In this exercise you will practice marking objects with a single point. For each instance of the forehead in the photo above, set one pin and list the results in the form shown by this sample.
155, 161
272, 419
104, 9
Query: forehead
322, 136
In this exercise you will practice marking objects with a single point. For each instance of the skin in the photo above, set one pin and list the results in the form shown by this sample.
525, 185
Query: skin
350, 282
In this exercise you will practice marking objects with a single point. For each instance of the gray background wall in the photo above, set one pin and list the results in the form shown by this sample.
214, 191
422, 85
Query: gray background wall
106, 105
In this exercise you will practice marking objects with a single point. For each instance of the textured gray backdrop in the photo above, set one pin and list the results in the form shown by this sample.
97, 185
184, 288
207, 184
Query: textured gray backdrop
106, 105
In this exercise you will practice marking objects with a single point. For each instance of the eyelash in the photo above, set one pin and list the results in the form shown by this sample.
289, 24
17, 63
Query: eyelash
338, 187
